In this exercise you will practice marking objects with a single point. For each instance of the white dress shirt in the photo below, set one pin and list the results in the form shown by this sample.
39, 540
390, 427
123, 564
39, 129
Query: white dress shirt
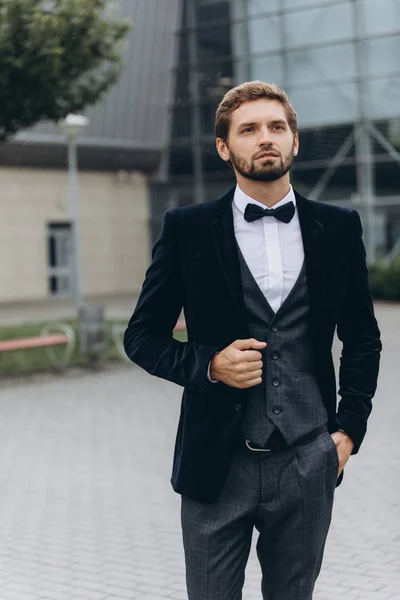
273, 250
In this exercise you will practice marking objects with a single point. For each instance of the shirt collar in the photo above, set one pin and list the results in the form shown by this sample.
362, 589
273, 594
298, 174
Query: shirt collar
241, 199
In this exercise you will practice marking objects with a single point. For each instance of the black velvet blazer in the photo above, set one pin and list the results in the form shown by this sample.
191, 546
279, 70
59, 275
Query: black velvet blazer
195, 266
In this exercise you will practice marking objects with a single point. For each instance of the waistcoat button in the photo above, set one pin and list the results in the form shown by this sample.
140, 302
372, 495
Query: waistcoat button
277, 410
238, 407
276, 382
275, 356
274, 328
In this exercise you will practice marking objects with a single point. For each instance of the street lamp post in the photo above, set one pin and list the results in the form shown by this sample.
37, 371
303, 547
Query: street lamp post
71, 127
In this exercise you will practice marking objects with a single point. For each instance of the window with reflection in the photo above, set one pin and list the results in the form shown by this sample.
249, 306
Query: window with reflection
260, 7
215, 80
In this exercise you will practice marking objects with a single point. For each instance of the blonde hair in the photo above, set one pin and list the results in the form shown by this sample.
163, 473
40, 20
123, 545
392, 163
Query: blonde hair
246, 92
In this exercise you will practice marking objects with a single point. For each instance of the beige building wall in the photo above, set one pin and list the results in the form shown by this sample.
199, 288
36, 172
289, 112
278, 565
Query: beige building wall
114, 230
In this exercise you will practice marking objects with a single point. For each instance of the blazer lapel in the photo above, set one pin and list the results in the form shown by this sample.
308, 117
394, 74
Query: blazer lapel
312, 234
227, 253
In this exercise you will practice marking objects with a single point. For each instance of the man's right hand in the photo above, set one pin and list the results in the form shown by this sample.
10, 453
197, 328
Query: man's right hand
239, 365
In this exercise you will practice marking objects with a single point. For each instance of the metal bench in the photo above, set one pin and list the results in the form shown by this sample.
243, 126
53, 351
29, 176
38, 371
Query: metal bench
180, 325
51, 335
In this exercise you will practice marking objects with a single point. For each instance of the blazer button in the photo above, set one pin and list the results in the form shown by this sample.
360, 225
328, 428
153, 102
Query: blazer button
276, 382
277, 410
238, 407
274, 328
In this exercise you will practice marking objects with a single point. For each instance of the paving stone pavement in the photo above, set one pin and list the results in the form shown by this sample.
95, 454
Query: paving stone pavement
86, 508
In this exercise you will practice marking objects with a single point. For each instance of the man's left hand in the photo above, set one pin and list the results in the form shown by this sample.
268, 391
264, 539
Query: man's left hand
344, 447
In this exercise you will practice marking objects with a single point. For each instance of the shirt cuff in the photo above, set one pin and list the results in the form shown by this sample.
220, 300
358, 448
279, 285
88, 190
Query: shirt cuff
208, 374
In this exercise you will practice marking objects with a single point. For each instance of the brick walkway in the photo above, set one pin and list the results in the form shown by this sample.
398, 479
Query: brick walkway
87, 512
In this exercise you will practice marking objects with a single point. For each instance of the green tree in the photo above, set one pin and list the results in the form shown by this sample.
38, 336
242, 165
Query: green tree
56, 57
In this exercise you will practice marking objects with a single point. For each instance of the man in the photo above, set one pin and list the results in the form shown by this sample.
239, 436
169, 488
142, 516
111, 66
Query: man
264, 276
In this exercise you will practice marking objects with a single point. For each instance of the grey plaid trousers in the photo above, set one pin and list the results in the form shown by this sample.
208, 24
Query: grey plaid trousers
288, 497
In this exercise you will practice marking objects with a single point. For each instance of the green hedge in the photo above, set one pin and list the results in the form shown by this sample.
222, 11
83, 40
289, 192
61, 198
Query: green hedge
385, 281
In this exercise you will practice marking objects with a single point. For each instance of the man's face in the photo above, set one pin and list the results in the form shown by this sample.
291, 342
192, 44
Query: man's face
260, 145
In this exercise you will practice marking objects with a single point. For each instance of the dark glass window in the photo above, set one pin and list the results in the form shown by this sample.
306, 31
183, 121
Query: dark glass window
207, 118
214, 76
208, 11
182, 84
212, 162
52, 251
181, 161
214, 42
53, 285
323, 142
181, 121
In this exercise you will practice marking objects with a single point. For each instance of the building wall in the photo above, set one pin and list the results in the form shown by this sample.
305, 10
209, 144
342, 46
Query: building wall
337, 60
114, 230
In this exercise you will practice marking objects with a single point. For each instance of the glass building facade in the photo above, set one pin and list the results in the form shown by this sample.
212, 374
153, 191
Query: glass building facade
337, 59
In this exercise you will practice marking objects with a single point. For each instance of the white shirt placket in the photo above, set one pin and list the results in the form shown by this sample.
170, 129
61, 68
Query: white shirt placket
274, 267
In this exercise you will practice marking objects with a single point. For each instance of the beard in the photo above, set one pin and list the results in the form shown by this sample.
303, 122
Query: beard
266, 170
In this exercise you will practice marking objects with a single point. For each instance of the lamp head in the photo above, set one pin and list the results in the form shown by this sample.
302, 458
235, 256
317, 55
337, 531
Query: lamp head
73, 124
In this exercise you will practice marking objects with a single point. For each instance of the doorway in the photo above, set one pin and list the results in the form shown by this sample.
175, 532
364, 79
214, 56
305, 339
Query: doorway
60, 263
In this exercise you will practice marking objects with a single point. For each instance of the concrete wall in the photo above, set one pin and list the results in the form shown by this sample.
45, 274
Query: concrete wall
114, 230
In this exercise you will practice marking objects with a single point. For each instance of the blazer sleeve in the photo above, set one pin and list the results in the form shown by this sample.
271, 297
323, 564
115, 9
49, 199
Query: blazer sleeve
148, 339
357, 328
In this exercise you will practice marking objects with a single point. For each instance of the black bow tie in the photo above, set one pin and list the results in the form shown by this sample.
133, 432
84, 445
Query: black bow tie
284, 213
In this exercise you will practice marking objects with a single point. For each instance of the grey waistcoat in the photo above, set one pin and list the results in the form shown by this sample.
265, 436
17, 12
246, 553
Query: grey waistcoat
288, 398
